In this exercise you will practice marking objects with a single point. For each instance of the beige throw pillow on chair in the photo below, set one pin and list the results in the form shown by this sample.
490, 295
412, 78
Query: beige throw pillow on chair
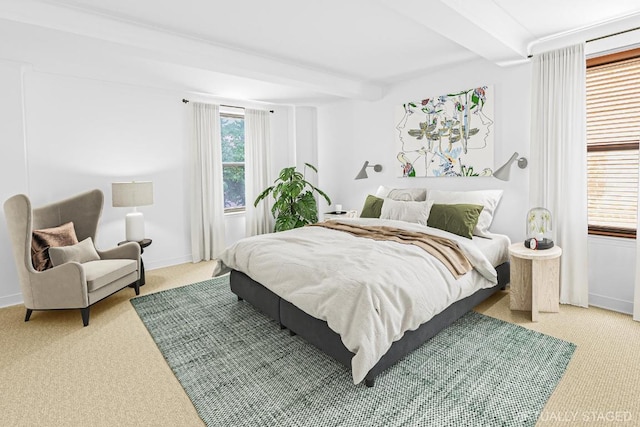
80, 252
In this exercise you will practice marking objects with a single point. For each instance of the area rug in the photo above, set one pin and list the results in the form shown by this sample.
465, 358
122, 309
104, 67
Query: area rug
239, 369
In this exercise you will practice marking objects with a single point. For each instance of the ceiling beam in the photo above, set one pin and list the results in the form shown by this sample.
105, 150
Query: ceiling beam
178, 49
480, 26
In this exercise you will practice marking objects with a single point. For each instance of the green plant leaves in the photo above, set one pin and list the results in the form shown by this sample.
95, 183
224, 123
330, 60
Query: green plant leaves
294, 200
262, 195
312, 167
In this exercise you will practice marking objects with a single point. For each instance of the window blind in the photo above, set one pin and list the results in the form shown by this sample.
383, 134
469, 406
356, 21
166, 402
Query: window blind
613, 134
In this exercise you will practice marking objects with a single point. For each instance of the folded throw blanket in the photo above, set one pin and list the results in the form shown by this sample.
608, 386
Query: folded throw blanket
445, 250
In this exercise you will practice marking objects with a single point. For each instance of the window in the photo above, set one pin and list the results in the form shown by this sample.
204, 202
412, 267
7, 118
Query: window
232, 135
613, 134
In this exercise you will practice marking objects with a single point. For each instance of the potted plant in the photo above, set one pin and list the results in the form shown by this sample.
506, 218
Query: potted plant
295, 204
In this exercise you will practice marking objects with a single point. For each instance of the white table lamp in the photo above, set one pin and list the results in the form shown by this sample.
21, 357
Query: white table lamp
132, 194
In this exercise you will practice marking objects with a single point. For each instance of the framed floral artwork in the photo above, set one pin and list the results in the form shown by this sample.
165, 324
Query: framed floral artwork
447, 135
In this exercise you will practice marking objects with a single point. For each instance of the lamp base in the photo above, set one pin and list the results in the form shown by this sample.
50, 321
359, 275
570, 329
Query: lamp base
134, 226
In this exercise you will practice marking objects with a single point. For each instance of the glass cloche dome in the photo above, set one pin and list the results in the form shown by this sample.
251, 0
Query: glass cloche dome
539, 226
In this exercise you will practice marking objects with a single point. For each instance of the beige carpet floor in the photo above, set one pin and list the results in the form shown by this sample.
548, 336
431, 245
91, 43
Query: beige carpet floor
54, 372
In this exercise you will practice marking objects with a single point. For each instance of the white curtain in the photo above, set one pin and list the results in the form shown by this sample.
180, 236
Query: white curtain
207, 197
257, 166
558, 177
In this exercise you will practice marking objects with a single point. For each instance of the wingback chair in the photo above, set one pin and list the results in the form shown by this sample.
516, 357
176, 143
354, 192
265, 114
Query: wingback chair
72, 284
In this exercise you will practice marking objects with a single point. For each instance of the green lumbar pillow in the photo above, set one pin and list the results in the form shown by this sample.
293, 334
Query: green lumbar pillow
457, 219
372, 207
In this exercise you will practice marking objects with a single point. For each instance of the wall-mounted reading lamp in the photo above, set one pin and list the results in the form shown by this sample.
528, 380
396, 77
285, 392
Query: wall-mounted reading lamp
363, 172
503, 171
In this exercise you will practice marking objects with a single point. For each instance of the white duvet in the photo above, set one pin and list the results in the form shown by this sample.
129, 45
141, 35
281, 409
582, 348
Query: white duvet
370, 292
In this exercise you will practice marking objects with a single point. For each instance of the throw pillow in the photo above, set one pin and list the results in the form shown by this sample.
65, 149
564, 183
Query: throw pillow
417, 212
42, 240
80, 252
458, 219
404, 194
487, 198
372, 207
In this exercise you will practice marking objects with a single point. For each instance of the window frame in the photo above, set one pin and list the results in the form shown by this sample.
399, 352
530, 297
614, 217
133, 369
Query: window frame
612, 58
234, 115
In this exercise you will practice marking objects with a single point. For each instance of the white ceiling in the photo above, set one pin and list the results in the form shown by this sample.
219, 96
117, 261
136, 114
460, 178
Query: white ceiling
291, 50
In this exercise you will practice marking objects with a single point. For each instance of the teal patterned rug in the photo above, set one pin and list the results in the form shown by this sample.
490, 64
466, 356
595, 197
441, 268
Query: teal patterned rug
240, 369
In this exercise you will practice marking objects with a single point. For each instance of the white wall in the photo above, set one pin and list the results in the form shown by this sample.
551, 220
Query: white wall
351, 132
13, 171
81, 134
612, 273
337, 156
307, 141
84, 134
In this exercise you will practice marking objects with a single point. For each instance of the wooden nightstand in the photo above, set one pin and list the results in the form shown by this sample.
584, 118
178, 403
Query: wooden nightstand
535, 279
143, 244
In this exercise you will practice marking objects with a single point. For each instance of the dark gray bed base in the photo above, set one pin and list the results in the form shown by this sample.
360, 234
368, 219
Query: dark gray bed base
318, 333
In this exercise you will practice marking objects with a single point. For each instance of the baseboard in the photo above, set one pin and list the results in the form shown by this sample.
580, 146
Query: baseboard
9, 300
613, 304
168, 262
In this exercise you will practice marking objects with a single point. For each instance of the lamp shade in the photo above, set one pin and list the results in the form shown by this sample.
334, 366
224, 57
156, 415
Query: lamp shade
504, 171
363, 172
131, 194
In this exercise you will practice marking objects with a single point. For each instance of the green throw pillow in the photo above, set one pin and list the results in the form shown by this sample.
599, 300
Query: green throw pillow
372, 207
457, 219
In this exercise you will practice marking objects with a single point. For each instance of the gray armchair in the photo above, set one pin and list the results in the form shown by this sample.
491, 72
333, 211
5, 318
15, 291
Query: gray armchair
72, 284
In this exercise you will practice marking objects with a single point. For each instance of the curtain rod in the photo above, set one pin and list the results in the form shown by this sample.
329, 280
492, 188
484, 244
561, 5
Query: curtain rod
604, 37
614, 34
186, 101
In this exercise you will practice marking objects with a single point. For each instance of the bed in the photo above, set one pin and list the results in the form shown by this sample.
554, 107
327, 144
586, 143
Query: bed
312, 282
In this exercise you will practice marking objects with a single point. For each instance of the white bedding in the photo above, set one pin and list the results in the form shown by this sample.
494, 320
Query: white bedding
369, 292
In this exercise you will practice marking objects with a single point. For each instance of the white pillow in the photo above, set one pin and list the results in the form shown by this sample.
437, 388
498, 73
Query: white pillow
80, 252
487, 198
404, 194
406, 211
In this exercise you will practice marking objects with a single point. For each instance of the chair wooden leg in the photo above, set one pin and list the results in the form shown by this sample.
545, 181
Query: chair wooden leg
370, 381
85, 315
137, 287
28, 315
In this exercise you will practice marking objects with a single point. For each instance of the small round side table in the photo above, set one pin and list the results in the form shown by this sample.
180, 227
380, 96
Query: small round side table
535, 279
